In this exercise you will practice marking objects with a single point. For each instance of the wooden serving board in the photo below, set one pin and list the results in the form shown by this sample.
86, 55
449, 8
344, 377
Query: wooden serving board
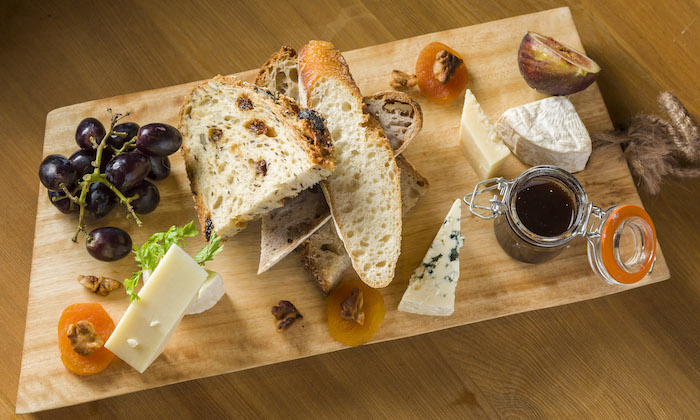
238, 333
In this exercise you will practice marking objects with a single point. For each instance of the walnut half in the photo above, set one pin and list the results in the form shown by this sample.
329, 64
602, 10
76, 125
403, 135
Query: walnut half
445, 66
285, 314
99, 285
351, 308
83, 338
401, 80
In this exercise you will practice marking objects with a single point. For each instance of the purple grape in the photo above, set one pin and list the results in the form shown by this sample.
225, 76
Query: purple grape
160, 167
82, 162
158, 139
56, 170
127, 170
63, 203
100, 200
108, 244
116, 141
89, 127
148, 197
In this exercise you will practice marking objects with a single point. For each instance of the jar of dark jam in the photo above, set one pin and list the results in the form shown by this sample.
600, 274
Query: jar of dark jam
545, 208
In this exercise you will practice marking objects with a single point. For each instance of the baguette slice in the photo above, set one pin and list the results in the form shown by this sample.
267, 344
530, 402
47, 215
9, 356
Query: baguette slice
323, 253
246, 150
363, 192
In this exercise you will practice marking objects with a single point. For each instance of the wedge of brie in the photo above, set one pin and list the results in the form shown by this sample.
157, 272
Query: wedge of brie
546, 132
431, 289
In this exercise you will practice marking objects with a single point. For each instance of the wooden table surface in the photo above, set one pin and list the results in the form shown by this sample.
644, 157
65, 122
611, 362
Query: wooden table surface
634, 354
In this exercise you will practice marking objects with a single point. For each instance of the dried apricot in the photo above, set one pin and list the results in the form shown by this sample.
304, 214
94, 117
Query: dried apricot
349, 332
103, 324
429, 85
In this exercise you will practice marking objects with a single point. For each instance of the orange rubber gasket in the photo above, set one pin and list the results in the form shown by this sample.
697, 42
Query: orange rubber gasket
607, 254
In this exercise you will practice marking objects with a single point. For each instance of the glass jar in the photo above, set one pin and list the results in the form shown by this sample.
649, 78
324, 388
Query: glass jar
546, 207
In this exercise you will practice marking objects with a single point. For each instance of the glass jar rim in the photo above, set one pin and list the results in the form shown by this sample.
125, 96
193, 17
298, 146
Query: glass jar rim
569, 183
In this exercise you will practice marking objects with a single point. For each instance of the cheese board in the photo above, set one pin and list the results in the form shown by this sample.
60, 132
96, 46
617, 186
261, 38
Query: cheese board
239, 333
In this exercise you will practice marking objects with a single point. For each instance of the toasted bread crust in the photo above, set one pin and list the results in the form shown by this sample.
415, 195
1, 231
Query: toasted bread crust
265, 75
320, 59
314, 139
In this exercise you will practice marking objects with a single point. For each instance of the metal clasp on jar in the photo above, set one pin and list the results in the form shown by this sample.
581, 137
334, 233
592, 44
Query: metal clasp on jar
496, 207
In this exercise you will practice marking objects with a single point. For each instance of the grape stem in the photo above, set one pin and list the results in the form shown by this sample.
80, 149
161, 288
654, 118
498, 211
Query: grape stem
126, 145
96, 176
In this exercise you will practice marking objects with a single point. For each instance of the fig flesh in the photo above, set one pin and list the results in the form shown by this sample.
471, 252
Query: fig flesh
551, 67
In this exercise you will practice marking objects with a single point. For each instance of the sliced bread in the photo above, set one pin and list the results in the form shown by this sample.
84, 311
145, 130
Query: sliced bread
280, 73
363, 192
283, 229
400, 116
323, 253
246, 150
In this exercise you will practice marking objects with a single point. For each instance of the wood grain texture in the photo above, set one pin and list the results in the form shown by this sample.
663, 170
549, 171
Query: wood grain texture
492, 285
639, 351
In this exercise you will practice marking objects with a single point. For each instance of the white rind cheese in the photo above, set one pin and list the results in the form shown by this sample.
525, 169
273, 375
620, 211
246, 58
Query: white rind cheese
149, 323
479, 140
546, 132
431, 289
208, 295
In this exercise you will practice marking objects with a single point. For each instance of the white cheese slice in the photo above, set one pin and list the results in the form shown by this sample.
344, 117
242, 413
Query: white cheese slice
149, 323
431, 289
208, 295
547, 132
479, 140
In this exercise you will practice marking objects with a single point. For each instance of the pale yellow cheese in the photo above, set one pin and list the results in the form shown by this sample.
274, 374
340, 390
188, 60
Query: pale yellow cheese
149, 323
480, 144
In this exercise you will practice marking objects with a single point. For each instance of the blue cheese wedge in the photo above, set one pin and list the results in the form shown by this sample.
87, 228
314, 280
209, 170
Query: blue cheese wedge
546, 132
431, 289
149, 322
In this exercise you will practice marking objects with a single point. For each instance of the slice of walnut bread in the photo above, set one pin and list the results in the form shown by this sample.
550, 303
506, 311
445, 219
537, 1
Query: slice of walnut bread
323, 253
283, 229
246, 150
400, 116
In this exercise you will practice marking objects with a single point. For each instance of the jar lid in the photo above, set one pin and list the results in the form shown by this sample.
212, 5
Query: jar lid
623, 249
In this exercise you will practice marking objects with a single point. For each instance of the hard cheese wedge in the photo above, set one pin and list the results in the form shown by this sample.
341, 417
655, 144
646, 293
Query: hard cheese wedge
149, 323
547, 132
480, 144
431, 289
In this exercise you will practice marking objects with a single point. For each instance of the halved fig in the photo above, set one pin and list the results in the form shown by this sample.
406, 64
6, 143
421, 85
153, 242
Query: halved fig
551, 67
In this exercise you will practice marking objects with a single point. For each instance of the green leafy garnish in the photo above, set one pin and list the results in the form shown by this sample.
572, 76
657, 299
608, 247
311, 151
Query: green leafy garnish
150, 253
210, 250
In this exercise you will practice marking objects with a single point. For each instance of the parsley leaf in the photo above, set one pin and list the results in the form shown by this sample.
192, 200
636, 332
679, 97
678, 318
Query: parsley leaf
210, 250
150, 253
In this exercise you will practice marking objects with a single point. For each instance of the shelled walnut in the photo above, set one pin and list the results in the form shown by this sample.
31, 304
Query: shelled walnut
445, 66
83, 338
351, 308
99, 285
401, 80
285, 314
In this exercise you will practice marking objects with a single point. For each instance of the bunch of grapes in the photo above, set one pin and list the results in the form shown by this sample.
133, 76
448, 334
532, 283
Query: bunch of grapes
111, 166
